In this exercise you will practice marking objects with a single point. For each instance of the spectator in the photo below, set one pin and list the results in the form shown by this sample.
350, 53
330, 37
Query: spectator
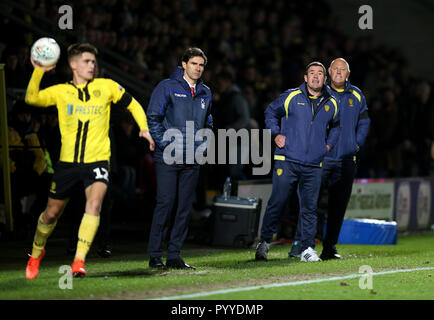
231, 111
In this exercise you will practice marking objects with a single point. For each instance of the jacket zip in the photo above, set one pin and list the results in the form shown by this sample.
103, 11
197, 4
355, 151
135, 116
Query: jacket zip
313, 117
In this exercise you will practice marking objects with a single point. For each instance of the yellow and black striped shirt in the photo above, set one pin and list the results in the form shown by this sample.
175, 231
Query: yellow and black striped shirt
84, 114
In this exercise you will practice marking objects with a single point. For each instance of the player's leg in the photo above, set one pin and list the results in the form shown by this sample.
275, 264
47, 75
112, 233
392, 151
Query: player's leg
90, 221
63, 180
46, 223
95, 180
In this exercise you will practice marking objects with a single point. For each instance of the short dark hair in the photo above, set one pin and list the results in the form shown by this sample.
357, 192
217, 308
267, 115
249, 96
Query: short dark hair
315, 63
78, 48
194, 52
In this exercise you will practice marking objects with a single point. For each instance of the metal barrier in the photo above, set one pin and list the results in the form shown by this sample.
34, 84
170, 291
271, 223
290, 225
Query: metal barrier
7, 205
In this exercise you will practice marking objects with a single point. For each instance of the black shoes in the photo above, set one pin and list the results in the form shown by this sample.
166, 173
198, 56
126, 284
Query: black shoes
104, 251
178, 263
156, 263
296, 250
330, 254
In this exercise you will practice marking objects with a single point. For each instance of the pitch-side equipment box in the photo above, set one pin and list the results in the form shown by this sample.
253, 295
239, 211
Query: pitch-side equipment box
235, 221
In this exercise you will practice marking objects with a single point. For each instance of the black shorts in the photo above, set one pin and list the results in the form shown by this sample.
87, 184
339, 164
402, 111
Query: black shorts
68, 175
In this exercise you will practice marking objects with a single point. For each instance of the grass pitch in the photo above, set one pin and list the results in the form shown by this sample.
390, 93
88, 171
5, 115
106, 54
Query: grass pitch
127, 276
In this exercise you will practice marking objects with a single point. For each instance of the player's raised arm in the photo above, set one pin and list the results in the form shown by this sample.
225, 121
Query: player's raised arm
34, 96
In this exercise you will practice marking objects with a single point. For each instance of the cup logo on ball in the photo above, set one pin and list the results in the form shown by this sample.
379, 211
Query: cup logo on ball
46, 52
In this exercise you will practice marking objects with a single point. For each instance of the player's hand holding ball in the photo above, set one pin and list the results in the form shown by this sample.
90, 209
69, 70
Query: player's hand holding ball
44, 54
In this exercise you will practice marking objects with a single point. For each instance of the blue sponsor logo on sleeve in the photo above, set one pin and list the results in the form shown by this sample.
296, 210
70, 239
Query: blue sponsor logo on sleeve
70, 109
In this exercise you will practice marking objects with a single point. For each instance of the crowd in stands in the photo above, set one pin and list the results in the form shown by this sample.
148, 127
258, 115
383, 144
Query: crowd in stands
264, 45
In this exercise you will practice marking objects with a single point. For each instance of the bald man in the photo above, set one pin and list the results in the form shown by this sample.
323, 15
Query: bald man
340, 164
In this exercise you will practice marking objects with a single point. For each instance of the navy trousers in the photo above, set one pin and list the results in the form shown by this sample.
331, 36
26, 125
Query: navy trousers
286, 175
176, 185
336, 186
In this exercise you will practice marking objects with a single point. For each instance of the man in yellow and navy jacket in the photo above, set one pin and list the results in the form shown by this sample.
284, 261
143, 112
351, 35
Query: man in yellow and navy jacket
305, 122
340, 164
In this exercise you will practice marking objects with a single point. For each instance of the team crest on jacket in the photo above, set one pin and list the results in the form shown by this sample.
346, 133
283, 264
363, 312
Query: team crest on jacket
53, 187
279, 172
96, 93
327, 108
202, 103
350, 101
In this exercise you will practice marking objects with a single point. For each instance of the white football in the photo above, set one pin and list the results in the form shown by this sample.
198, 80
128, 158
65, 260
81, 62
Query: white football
45, 51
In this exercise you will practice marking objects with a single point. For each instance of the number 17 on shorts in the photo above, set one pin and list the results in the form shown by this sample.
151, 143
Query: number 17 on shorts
101, 173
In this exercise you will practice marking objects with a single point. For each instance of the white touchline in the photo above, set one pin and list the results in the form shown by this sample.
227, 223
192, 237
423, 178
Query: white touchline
284, 284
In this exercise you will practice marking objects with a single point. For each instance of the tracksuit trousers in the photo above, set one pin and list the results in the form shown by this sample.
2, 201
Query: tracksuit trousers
336, 186
286, 175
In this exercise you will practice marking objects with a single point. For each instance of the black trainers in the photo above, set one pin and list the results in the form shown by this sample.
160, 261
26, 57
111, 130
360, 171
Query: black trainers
156, 263
295, 250
262, 251
330, 253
